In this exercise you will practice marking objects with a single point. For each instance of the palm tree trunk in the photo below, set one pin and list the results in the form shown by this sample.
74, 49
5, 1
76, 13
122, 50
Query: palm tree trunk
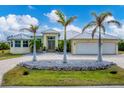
100, 47
65, 47
34, 49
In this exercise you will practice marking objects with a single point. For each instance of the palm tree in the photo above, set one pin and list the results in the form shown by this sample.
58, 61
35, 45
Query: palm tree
64, 22
99, 25
33, 29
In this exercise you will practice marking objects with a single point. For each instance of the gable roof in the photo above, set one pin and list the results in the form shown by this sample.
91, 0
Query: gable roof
49, 31
20, 36
87, 35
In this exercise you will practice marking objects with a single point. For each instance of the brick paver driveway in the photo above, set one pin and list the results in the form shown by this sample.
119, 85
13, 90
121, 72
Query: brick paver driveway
6, 65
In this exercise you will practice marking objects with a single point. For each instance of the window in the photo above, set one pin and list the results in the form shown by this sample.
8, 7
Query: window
25, 43
51, 37
17, 43
11, 43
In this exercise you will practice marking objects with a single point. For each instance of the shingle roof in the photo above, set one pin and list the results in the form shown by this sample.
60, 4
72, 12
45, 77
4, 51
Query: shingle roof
87, 35
20, 36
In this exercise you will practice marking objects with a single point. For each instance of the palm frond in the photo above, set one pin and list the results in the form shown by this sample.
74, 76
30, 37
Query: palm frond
90, 25
94, 31
70, 20
61, 16
94, 14
115, 23
32, 28
61, 22
104, 15
103, 29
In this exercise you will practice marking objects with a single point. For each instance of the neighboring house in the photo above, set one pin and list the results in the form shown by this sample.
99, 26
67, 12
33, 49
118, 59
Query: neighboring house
81, 43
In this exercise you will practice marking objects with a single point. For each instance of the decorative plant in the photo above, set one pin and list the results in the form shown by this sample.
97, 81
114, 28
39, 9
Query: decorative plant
44, 48
99, 25
64, 22
33, 29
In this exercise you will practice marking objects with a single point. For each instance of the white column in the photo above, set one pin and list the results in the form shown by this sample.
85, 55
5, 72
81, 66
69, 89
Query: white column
21, 43
13, 43
116, 48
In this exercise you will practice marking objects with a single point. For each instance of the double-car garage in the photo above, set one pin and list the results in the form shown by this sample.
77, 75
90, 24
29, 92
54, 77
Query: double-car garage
90, 46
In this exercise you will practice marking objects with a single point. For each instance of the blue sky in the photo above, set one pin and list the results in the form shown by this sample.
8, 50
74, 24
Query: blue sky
82, 11
42, 12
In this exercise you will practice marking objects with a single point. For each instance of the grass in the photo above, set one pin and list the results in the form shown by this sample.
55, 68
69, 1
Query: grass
16, 77
120, 52
5, 54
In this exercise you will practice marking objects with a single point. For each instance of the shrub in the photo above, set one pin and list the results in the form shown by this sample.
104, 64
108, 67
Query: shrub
61, 45
4, 46
113, 72
121, 45
68, 46
38, 44
25, 73
44, 48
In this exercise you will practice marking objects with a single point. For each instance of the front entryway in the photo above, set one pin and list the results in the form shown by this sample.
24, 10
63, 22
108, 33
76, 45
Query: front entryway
51, 43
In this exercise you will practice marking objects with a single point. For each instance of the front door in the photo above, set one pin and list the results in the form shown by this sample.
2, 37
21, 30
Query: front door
51, 43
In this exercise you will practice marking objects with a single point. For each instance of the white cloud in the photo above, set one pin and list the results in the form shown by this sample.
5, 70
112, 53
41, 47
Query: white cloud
119, 32
73, 28
12, 22
114, 30
31, 7
109, 18
45, 27
15, 22
69, 28
52, 16
57, 29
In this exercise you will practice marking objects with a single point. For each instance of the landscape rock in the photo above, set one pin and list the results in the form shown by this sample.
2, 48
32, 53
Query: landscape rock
77, 65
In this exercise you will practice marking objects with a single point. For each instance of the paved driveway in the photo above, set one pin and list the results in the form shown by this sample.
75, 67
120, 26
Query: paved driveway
6, 65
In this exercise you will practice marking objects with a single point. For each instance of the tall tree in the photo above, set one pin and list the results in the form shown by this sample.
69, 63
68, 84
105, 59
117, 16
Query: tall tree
99, 25
33, 29
64, 22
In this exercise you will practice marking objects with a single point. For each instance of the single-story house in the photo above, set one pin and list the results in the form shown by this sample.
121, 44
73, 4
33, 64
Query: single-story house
81, 43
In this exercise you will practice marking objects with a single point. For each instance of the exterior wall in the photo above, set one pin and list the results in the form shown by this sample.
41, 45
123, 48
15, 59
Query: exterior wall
75, 42
19, 50
45, 41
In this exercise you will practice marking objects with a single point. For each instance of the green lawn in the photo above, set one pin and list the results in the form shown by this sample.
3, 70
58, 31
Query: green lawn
15, 77
5, 54
120, 52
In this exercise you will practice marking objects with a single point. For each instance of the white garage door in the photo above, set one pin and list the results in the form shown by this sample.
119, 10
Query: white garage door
92, 48
86, 48
109, 48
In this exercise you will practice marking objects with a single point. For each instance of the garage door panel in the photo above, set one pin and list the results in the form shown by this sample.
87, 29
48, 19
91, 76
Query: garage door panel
92, 48
109, 48
86, 48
